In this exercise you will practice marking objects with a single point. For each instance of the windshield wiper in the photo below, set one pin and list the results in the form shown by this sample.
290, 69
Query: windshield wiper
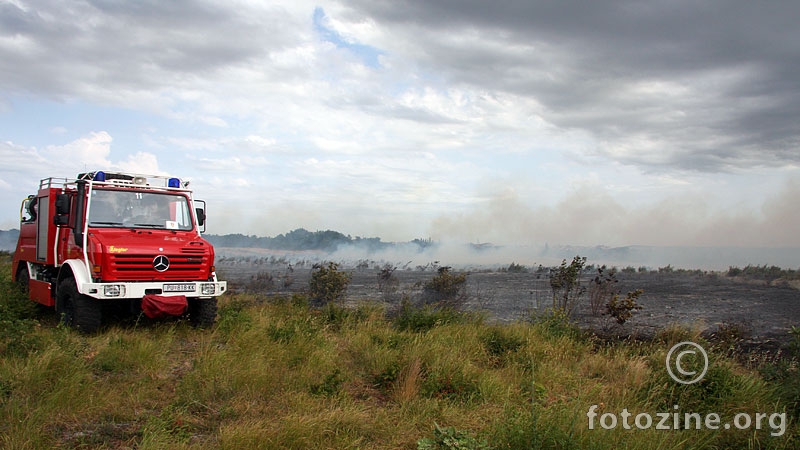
111, 224
149, 225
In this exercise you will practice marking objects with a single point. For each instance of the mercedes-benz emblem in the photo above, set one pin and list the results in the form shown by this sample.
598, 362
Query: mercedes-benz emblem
161, 263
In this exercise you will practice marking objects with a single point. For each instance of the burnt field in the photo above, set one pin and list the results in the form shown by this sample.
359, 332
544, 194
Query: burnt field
761, 312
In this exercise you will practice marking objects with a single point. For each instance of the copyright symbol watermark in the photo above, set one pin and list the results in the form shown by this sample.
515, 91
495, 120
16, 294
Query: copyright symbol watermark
687, 358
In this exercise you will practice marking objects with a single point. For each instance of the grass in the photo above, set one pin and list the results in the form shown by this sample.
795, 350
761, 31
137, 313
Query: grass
277, 373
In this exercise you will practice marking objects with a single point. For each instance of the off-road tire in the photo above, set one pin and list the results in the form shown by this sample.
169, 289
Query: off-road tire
76, 310
203, 312
24, 280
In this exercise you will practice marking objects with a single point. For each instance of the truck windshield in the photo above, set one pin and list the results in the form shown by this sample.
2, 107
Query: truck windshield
135, 209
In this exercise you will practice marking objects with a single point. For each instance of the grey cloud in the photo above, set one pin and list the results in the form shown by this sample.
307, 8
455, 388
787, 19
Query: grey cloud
735, 61
65, 49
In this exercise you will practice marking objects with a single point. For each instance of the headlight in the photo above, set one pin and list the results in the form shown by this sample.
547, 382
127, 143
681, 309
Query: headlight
114, 290
208, 288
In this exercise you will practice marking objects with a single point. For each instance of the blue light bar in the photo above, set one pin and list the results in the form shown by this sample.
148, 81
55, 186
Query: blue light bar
174, 183
100, 176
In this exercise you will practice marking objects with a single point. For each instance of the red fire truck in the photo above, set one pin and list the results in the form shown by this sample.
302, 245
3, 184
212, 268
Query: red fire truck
116, 239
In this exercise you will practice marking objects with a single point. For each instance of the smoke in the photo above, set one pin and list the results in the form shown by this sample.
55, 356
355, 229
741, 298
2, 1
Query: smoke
590, 216
687, 230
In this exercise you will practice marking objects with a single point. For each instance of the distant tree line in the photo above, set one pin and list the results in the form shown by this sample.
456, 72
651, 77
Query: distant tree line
299, 239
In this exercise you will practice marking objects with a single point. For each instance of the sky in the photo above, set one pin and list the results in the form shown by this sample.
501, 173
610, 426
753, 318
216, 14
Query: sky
663, 123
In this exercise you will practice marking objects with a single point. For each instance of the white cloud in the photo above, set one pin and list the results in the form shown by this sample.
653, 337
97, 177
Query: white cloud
25, 166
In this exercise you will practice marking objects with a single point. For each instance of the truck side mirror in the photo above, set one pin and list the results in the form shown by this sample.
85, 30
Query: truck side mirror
200, 212
62, 204
62, 210
201, 216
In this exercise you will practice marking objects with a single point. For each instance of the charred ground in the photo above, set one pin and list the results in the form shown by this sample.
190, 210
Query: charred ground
757, 311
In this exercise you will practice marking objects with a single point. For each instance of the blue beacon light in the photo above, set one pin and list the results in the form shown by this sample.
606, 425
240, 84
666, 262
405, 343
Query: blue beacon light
100, 176
174, 183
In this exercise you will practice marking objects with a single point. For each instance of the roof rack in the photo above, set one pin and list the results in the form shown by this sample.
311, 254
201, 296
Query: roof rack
133, 180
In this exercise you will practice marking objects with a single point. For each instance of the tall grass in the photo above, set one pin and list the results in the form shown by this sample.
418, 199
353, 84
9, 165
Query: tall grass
276, 373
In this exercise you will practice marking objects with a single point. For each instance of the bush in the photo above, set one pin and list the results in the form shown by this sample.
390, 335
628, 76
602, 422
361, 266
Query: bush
516, 268
622, 310
328, 283
602, 289
766, 273
565, 282
388, 282
446, 288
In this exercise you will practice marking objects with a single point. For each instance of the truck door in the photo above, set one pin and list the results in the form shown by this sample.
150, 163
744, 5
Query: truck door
42, 228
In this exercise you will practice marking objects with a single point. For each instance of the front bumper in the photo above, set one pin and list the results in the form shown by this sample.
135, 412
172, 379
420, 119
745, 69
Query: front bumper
128, 290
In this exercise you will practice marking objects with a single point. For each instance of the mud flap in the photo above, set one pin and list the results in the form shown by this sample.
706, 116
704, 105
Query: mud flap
157, 306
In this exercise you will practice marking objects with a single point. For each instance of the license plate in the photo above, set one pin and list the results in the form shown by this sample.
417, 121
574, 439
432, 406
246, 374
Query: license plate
190, 287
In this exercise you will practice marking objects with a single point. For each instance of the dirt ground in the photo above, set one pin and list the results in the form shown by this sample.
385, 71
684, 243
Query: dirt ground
760, 312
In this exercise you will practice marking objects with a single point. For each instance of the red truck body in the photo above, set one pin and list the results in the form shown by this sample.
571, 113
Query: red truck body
116, 238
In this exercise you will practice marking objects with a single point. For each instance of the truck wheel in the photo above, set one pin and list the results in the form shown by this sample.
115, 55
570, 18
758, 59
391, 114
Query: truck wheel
24, 280
77, 310
202, 311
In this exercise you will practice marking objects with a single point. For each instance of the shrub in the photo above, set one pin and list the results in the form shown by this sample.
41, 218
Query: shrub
766, 273
565, 283
729, 335
446, 288
388, 282
516, 268
602, 289
328, 283
666, 269
622, 310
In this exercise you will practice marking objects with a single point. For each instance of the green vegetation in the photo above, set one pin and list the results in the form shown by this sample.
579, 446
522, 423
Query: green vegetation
766, 273
328, 283
565, 282
446, 289
279, 373
621, 310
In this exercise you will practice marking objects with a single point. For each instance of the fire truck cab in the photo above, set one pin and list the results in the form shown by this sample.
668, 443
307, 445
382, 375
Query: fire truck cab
116, 238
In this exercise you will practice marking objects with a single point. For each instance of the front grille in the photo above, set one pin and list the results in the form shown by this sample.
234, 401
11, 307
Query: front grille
188, 265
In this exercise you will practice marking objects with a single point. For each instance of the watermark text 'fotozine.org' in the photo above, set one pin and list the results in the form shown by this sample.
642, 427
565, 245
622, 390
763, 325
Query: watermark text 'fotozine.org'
687, 363
685, 421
